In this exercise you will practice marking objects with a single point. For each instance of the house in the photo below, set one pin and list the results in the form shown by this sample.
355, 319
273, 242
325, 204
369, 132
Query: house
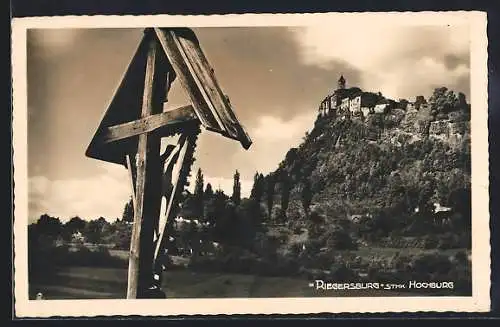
77, 237
439, 208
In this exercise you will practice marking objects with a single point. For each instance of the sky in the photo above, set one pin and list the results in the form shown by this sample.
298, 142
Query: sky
275, 77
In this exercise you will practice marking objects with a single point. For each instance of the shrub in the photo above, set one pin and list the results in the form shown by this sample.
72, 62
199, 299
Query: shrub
431, 266
448, 241
341, 273
339, 239
430, 242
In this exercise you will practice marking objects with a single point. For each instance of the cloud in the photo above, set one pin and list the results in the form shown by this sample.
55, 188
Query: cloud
400, 61
53, 41
272, 129
272, 137
103, 195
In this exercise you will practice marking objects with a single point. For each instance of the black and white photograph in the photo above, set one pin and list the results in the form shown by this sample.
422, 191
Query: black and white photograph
250, 164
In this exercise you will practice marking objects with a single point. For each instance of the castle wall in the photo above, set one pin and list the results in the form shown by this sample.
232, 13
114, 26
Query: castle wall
355, 104
366, 111
410, 107
410, 122
344, 106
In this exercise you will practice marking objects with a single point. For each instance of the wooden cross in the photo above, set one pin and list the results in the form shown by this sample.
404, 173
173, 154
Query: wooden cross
131, 130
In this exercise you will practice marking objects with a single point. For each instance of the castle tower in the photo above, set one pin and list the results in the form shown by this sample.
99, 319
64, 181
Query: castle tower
341, 83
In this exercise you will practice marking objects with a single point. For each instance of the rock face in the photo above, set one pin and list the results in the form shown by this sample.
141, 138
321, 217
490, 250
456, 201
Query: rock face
410, 123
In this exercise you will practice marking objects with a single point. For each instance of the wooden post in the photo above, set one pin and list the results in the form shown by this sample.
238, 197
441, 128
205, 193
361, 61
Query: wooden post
147, 183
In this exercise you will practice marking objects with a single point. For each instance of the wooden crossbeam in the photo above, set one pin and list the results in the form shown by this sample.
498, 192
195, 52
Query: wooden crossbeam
148, 124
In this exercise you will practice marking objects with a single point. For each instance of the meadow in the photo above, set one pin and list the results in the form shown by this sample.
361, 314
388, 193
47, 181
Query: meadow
111, 283
84, 282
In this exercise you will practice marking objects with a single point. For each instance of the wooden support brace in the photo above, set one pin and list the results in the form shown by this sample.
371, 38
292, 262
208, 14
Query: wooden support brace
131, 175
171, 201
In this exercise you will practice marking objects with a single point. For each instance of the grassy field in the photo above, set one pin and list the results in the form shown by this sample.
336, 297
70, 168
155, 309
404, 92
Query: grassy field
363, 251
366, 251
111, 283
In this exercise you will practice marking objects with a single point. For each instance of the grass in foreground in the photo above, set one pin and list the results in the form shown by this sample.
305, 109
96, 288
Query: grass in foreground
111, 283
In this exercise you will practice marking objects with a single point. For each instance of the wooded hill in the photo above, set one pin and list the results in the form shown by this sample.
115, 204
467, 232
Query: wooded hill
396, 164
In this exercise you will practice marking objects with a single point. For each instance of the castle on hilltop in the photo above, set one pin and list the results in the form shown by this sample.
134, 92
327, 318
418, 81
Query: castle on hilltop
355, 102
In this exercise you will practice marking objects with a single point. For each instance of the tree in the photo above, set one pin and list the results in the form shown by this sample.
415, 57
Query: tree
403, 103
339, 239
306, 196
425, 196
218, 207
236, 197
49, 226
198, 194
209, 192
270, 194
75, 224
128, 211
258, 187
248, 221
419, 101
443, 101
460, 200
314, 225
285, 191
92, 231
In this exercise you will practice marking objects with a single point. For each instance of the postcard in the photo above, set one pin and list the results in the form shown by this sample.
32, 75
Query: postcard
250, 164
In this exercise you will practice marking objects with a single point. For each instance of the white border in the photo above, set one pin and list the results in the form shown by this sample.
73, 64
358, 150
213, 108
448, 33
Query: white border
480, 300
